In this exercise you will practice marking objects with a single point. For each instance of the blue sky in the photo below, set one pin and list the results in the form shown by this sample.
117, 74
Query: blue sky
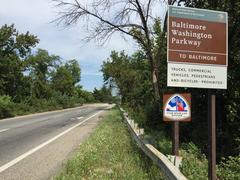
35, 16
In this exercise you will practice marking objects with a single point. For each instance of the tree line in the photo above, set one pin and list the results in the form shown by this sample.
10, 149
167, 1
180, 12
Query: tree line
36, 81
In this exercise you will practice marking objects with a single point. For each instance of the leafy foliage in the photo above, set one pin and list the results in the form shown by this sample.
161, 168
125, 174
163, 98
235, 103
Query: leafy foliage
229, 168
62, 81
40, 67
73, 67
13, 43
14, 47
35, 82
5, 106
194, 164
130, 75
103, 95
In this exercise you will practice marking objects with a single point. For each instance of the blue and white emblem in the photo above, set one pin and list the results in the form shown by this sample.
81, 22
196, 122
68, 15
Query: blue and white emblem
177, 108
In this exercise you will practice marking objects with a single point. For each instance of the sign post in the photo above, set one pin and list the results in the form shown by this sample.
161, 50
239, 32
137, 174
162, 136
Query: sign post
211, 136
177, 108
175, 136
197, 55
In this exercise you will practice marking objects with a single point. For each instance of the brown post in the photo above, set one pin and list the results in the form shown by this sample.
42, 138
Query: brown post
211, 136
175, 138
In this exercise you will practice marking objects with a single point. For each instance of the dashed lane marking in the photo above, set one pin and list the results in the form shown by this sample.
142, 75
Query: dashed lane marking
80, 117
3, 130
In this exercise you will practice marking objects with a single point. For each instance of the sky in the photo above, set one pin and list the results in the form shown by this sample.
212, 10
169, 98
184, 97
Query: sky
36, 16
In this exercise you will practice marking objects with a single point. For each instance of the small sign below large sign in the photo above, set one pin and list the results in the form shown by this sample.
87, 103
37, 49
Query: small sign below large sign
177, 107
197, 48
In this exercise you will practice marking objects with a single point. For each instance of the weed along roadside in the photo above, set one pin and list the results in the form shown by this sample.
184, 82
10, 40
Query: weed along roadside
110, 153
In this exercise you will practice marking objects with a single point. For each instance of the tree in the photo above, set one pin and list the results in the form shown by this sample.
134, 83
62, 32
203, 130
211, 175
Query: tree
87, 96
103, 95
134, 18
73, 67
40, 67
14, 47
131, 76
66, 77
11, 42
63, 81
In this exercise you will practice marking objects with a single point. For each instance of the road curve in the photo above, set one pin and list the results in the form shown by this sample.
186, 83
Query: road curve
35, 146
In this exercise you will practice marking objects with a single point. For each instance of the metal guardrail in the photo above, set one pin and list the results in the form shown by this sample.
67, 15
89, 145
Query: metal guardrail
171, 171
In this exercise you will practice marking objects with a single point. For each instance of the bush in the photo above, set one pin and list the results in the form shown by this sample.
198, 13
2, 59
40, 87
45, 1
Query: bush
165, 146
138, 115
33, 104
229, 168
6, 106
191, 148
22, 109
194, 164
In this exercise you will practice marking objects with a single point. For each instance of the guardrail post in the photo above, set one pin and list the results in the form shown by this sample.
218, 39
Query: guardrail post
141, 131
135, 126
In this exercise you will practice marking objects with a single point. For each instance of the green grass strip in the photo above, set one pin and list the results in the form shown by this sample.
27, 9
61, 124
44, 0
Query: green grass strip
110, 153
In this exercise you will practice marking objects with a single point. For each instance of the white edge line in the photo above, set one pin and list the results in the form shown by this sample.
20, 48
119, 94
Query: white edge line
21, 157
3, 130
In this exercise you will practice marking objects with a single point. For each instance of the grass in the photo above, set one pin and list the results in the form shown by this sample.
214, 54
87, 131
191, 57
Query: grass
110, 153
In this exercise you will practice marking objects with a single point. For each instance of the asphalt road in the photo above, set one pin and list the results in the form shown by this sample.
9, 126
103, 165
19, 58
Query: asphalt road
46, 139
